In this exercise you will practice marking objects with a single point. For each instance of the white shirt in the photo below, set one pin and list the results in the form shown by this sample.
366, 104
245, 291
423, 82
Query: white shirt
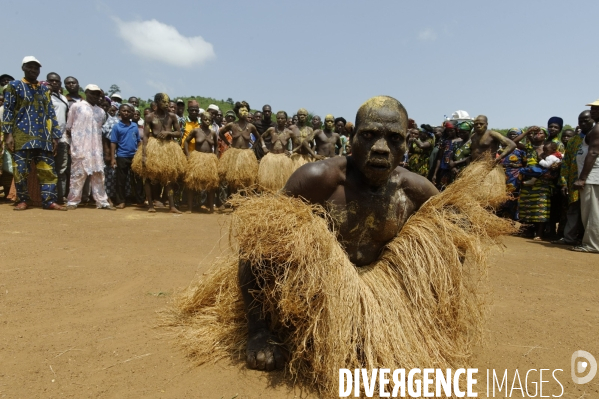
548, 161
61, 108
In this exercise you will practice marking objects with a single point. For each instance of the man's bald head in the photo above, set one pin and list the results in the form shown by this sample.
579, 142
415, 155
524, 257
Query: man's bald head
480, 124
382, 107
585, 121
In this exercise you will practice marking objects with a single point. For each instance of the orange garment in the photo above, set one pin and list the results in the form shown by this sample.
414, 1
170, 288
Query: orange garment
189, 126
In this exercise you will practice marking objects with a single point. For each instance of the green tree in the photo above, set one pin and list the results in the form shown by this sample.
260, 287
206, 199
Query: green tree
113, 89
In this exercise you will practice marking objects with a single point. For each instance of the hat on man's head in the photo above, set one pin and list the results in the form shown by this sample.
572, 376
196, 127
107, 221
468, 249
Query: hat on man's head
230, 113
92, 87
30, 58
5, 75
202, 110
593, 104
180, 101
116, 95
214, 107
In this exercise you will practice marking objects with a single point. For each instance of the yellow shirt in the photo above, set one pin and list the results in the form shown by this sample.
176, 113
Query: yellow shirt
189, 126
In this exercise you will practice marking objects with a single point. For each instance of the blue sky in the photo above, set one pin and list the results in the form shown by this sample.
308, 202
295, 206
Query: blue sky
518, 62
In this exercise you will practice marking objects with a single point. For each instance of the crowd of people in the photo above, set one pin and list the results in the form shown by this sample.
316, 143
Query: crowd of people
63, 150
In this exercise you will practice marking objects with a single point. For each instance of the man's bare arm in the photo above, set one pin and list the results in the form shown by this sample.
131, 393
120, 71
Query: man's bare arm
509, 145
176, 133
591, 158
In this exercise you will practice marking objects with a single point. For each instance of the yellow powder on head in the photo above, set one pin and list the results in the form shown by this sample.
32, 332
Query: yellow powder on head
302, 111
329, 117
378, 101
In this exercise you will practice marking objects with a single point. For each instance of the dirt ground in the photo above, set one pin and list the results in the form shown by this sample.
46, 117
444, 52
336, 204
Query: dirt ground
80, 291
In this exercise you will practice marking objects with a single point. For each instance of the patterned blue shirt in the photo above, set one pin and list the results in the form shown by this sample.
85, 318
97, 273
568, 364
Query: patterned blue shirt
29, 116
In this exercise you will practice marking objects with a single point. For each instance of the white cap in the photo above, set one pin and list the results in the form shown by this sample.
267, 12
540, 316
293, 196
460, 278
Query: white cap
92, 87
116, 95
202, 110
214, 107
30, 58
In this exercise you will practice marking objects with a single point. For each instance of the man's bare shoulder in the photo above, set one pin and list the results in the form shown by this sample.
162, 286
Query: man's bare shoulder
316, 181
417, 188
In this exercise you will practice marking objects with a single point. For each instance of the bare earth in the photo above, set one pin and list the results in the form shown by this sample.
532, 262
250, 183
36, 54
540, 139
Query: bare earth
79, 292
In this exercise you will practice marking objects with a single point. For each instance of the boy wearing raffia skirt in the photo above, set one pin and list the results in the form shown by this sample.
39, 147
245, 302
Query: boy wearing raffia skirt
160, 158
202, 164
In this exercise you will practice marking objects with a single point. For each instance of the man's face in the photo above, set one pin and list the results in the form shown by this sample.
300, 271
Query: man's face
553, 130
93, 97
302, 117
595, 113
438, 132
147, 111
4, 81
219, 117
480, 125
378, 144
229, 118
281, 119
31, 71
193, 111
172, 107
294, 120
585, 122
54, 82
329, 124
180, 109
339, 127
266, 113
125, 113
133, 101
71, 85
136, 116
257, 115
316, 122
212, 112
112, 110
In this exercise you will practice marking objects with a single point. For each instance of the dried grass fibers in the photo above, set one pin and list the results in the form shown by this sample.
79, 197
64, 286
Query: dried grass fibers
421, 304
202, 171
274, 171
165, 161
239, 168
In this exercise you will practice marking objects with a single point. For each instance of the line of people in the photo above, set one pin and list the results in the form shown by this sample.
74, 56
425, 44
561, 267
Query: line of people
100, 147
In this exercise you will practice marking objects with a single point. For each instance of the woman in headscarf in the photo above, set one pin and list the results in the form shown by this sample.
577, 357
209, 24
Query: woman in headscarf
513, 179
461, 156
420, 146
535, 200
442, 176
555, 124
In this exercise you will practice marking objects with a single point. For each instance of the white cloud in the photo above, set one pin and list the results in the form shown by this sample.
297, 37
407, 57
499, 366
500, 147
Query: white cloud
427, 35
161, 42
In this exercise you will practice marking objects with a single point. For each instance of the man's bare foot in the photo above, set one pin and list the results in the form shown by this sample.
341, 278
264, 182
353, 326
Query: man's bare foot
263, 352
175, 210
152, 210
159, 204
120, 206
